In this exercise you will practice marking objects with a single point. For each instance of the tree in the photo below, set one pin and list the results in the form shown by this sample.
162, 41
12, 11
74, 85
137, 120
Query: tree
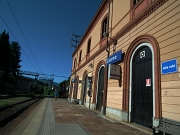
5, 56
5, 52
15, 58
9, 59
63, 85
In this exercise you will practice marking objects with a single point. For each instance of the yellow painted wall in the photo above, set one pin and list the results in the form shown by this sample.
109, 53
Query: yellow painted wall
95, 38
163, 24
114, 97
119, 15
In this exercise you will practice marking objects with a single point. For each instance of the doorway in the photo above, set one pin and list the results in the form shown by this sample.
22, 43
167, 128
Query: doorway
84, 90
142, 88
100, 89
76, 88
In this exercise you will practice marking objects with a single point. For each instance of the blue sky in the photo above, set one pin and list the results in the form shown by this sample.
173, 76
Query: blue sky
45, 31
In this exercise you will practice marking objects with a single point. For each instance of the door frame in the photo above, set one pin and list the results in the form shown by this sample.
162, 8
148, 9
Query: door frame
153, 78
76, 84
144, 38
84, 90
97, 90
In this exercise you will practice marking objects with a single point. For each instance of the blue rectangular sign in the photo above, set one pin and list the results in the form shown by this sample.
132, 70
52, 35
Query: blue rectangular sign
114, 58
73, 80
169, 66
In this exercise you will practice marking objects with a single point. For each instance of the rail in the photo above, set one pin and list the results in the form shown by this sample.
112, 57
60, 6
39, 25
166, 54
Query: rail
8, 113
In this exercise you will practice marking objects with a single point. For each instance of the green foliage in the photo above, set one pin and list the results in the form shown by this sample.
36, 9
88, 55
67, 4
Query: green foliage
63, 85
15, 57
10, 101
37, 88
9, 59
48, 91
11, 79
5, 53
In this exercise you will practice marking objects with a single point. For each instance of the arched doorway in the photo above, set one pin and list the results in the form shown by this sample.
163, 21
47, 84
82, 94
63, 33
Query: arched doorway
70, 91
142, 41
142, 86
100, 89
76, 87
83, 95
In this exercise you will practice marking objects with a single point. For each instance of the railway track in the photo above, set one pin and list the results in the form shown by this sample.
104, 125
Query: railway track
8, 113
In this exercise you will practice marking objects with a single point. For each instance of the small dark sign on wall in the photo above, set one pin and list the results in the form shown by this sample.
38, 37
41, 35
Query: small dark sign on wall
114, 71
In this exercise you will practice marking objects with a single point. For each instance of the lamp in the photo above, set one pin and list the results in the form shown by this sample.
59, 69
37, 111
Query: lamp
107, 35
90, 65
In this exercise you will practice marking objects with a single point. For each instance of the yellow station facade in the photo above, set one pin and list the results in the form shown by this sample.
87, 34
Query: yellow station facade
127, 64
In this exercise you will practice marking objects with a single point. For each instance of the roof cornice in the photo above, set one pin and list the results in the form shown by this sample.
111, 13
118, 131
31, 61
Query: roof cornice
95, 19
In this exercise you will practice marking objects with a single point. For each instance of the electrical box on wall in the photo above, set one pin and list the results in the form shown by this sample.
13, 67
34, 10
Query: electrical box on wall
114, 71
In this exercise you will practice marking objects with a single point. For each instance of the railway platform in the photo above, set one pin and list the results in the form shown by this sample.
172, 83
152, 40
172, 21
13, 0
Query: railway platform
62, 117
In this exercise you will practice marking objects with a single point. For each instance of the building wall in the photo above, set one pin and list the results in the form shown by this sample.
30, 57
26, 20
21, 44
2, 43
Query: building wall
163, 24
158, 22
168, 38
94, 34
24, 85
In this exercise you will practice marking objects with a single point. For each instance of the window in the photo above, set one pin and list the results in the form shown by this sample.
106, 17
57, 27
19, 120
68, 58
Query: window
75, 63
89, 46
104, 27
136, 1
80, 53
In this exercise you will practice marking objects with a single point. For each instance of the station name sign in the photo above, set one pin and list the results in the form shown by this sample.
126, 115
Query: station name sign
73, 80
114, 58
169, 66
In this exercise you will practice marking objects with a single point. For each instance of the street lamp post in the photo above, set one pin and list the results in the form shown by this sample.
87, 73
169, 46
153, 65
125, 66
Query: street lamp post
106, 34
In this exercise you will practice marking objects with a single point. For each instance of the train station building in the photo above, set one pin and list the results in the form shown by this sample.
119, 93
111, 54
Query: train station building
127, 64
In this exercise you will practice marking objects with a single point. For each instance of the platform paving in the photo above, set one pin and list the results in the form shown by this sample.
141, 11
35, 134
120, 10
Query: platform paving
62, 117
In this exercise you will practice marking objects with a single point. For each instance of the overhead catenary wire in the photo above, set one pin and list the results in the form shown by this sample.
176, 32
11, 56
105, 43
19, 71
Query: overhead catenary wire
59, 71
23, 35
26, 43
17, 41
28, 57
8, 27
61, 76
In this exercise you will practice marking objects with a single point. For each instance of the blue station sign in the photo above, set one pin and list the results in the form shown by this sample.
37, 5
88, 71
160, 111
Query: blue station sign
73, 80
169, 66
114, 58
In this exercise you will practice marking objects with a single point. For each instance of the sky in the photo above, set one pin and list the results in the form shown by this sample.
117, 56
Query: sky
44, 28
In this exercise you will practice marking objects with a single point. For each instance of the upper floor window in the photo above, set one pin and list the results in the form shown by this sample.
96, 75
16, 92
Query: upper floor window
136, 1
104, 27
80, 54
75, 63
89, 46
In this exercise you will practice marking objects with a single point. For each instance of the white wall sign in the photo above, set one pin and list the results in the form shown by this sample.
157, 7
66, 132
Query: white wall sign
148, 82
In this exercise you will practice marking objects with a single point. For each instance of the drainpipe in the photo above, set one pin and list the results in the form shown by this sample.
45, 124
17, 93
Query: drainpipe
108, 51
107, 45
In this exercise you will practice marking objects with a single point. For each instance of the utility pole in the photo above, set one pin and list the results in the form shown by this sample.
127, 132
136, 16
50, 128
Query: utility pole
76, 40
